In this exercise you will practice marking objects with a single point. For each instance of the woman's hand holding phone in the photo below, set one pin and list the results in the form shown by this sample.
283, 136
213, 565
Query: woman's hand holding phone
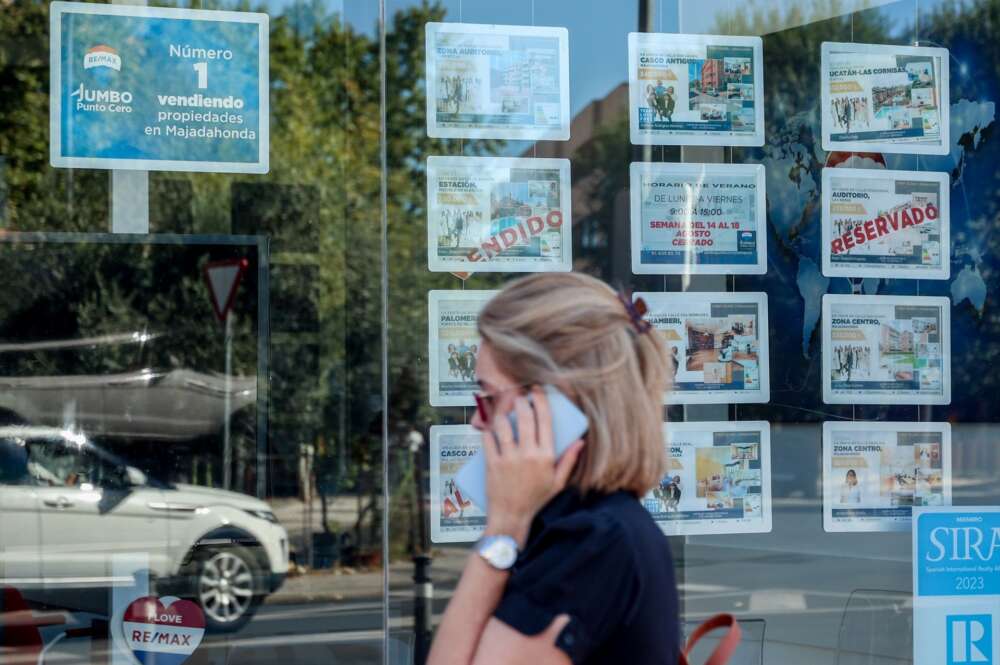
522, 475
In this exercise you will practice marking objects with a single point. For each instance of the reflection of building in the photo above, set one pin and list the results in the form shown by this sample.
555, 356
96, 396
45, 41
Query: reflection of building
889, 338
600, 240
508, 206
700, 338
895, 341
898, 95
517, 75
711, 75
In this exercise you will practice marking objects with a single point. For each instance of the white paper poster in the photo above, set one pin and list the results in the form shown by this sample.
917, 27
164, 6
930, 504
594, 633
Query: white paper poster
875, 473
892, 224
718, 479
498, 214
718, 342
691, 219
497, 81
454, 345
886, 350
881, 98
695, 89
454, 519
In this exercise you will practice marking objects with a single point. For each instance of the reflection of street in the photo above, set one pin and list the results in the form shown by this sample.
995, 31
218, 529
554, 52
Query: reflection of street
301, 518
346, 633
318, 618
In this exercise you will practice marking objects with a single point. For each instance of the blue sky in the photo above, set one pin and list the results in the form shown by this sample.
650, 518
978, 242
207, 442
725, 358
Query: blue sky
597, 28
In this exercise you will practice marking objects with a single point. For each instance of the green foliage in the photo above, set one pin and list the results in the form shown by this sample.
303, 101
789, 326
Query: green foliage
323, 222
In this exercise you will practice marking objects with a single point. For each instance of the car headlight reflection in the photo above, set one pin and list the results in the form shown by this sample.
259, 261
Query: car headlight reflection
262, 514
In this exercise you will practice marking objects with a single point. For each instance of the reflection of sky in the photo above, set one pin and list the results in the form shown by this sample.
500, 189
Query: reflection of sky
597, 28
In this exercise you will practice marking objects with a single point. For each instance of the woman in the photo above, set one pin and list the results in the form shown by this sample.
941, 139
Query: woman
593, 580
850, 491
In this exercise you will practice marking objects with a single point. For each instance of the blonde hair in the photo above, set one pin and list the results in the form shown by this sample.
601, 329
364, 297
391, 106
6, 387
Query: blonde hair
572, 331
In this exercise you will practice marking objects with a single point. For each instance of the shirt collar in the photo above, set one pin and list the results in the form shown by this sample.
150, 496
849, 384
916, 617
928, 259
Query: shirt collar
559, 506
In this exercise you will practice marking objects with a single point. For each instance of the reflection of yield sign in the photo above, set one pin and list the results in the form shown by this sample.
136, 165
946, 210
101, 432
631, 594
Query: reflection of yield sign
223, 278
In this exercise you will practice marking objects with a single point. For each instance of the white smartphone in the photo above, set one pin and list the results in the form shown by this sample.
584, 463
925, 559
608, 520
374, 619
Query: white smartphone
568, 424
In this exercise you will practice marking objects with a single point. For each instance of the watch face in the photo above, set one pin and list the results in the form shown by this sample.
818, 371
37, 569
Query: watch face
499, 551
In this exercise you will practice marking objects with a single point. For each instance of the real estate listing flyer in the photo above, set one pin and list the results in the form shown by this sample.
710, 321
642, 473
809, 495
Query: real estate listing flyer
454, 519
718, 479
875, 473
453, 341
497, 81
695, 89
498, 214
718, 343
892, 224
882, 98
886, 350
690, 219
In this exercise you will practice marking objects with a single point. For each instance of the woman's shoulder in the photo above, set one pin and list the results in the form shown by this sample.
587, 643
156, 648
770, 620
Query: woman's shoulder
617, 524
625, 514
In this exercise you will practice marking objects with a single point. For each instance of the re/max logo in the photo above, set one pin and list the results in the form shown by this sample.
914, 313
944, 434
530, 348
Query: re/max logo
969, 639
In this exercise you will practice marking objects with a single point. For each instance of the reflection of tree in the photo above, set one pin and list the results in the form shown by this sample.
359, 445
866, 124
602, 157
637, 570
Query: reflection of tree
325, 241
792, 65
325, 139
320, 207
409, 280
37, 194
791, 99
600, 172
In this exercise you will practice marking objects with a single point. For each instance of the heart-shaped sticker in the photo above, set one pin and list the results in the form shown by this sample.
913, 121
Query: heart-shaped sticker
163, 631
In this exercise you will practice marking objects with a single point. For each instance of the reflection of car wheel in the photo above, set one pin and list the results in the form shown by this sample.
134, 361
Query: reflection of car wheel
224, 587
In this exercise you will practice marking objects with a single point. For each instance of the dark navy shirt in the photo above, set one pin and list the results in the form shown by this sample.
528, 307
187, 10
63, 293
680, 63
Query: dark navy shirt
602, 560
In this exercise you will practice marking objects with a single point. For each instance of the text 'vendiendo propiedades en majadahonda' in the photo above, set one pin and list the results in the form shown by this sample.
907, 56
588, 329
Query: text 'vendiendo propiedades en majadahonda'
198, 115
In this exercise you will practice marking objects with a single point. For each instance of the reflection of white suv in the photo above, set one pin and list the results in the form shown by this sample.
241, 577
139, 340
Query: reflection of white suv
74, 517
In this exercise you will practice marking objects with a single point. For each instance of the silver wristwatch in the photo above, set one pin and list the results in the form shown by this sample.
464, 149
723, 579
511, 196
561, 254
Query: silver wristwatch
499, 551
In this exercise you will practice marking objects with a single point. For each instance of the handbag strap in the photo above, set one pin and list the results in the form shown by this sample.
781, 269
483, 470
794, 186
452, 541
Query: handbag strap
726, 646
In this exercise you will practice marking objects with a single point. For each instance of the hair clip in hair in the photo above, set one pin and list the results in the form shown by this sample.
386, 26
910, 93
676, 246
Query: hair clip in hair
636, 310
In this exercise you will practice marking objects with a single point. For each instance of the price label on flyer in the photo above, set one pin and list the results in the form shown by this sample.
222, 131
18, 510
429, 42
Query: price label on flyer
498, 214
876, 473
886, 350
880, 98
892, 224
152, 88
690, 219
695, 89
718, 344
454, 518
718, 479
497, 81
956, 585
454, 345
